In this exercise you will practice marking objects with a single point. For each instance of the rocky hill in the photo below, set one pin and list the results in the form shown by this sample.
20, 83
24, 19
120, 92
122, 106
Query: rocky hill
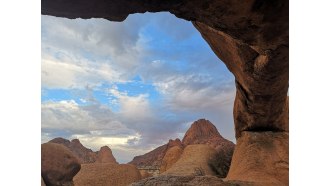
154, 157
84, 154
106, 174
201, 131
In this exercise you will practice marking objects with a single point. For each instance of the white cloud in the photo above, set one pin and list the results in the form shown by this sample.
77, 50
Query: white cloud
69, 116
76, 73
135, 107
83, 54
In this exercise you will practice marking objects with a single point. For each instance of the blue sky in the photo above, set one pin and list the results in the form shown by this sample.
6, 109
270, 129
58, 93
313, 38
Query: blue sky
132, 85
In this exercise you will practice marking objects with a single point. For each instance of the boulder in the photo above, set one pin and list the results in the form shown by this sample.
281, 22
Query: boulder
145, 174
171, 157
105, 156
193, 161
106, 174
261, 157
58, 164
154, 157
84, 154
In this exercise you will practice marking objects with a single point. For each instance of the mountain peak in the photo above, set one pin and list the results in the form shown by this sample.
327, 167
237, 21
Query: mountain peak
105, 155
200, 130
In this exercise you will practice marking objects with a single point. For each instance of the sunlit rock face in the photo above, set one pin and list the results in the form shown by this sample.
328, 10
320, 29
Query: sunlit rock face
250, 37
105, 156
101, 174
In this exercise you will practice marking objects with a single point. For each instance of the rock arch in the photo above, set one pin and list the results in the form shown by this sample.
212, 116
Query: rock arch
252, 38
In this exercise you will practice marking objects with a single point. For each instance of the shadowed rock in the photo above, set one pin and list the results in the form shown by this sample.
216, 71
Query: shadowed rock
84, 154
154, 157
58, 164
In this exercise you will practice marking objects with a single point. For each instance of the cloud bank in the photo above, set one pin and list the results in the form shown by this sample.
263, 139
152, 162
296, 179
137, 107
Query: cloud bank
130, 85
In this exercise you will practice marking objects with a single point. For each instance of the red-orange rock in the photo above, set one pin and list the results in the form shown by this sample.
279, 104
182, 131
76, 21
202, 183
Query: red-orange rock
105, 156
154, 157
203, 131
145, 174
58, 164
171, 157
106, 174
261, 157
251, 37
193, 161
84, 154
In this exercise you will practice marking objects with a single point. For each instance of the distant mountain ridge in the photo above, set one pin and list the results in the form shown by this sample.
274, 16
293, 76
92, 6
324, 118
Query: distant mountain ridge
85, 155
201, 131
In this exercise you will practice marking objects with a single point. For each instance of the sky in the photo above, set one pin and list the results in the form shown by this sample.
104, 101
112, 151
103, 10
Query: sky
131, 85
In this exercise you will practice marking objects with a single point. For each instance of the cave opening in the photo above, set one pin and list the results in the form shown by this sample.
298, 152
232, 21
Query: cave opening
251, 38
150, 76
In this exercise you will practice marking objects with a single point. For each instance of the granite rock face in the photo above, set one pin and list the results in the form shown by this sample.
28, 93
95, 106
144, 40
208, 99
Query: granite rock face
193, 161
58, 165
171, 157
203, 131
270, 167
105, 156
154, 157
84, 154
106, 174
170, 180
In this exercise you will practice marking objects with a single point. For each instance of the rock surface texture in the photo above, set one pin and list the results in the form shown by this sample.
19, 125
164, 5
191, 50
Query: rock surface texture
203, 131
193, 161
105, 156
171, 157
154, 157
106, 174
58, 165
84, 154
169, 180
272, 149
251, 37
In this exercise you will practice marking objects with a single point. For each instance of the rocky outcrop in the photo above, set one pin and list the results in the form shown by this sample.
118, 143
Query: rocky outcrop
193, 161
250, 37
203, 131
84, 154
261, 78
154, 157
172, 156
106, 174
169, 180
105, 156
145, 174
270, 167
58, 164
